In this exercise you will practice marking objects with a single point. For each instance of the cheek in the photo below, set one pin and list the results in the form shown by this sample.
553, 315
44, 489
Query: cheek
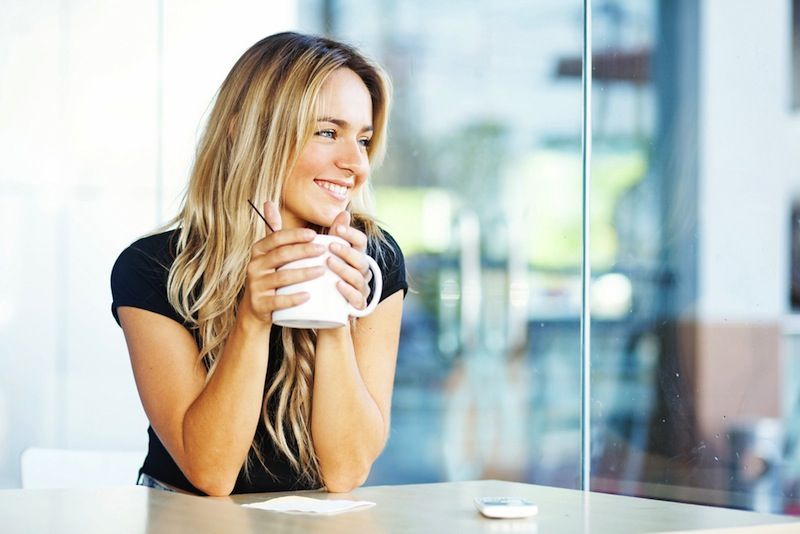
363, 177
304, 169
313, 160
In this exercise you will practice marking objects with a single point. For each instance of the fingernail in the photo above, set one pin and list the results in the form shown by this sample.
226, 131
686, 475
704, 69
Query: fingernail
341, 229
336, 247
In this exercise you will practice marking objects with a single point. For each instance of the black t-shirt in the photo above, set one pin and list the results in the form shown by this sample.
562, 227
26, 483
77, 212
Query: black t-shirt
139, 279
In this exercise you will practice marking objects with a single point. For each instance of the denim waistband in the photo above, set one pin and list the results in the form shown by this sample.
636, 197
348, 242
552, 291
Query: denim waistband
150, 482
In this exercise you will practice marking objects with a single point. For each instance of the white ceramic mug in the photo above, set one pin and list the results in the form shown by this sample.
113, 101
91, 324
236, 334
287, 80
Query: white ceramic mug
326, 307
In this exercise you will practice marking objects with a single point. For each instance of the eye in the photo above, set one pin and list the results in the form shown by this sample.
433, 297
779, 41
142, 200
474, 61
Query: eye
330, 134
365, 142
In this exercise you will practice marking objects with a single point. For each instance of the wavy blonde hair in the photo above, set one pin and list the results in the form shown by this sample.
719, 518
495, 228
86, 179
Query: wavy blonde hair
262, 117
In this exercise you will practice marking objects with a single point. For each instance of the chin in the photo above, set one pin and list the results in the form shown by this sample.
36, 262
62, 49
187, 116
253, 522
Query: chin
323, 220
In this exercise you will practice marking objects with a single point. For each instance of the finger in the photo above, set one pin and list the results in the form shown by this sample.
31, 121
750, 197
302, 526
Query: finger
273, 215
282, 238
342, 219
280, 256
265, 288
349, 275
356, 238
356, 258
288, 277
281, 302
355, 298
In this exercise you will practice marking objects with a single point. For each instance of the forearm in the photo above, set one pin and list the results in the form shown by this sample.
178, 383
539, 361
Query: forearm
347, 427
219, 426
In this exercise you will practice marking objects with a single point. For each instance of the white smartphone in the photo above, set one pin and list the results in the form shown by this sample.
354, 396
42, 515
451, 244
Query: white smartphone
505, 507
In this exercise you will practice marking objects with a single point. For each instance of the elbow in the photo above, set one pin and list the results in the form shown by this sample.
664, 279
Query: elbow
209, 472
345, 479
345, 483
216, 489
346, 471
211, 482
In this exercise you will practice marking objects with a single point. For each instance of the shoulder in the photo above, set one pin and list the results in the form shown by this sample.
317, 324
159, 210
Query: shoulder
140, 273
382, 243
386, 251
148, 257
389, 256
155, 248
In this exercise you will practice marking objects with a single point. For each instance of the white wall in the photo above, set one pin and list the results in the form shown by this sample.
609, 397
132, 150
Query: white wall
749, 165
100, 106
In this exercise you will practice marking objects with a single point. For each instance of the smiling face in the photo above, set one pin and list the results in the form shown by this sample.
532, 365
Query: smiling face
334, 162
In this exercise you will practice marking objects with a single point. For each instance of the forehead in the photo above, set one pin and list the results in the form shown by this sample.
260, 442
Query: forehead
345, 96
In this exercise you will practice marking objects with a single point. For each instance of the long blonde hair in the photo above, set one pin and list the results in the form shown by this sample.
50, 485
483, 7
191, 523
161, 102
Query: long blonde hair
262, 116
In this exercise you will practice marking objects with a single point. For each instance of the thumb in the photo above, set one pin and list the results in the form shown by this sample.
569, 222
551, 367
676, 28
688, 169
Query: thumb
342, 219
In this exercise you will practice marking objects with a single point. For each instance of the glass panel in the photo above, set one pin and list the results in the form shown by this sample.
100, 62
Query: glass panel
695, 352
796, 54
99, 101
631, 283
482, 189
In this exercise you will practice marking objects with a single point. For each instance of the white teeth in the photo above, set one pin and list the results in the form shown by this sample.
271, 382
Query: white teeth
336, 189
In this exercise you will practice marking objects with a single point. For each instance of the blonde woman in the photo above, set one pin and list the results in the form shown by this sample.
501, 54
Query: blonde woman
235, 403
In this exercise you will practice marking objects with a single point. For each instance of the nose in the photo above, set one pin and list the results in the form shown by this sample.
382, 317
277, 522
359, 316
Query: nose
352, 157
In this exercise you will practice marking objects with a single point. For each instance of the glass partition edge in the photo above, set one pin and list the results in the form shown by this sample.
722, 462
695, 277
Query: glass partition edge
586, 271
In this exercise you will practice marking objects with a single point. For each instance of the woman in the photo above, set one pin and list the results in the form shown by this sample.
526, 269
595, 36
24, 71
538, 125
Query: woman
235, 403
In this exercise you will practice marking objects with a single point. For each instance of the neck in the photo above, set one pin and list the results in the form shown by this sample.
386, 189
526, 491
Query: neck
289, 221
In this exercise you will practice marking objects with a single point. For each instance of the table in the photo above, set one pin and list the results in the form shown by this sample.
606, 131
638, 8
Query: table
444, 507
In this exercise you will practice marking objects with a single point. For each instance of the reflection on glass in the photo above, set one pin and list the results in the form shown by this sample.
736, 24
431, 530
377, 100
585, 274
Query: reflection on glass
796, 54
687, 337
482, 189
695, 355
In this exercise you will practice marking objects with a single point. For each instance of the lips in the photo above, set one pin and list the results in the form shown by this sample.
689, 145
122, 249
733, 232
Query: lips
337, 190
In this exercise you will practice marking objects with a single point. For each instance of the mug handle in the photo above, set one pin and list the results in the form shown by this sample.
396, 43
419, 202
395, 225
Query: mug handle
376, 295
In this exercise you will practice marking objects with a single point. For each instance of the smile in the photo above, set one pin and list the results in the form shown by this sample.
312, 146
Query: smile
339, 191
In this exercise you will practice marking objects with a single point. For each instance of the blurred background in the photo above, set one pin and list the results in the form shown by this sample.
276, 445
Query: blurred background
695, 220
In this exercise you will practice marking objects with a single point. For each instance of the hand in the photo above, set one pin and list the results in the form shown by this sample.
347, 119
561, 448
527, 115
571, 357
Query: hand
350, 263
266, 256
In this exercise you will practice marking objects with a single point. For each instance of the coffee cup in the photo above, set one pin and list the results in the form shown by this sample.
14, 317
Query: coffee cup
326, 307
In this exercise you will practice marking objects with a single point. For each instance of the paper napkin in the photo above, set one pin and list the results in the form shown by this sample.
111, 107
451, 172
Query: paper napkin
305, 505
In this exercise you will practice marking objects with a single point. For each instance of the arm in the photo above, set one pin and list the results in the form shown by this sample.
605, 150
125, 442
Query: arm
354, 373
353, 381
208, 426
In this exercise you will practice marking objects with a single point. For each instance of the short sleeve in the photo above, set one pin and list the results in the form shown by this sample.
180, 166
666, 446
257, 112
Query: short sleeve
139, 278
392, 264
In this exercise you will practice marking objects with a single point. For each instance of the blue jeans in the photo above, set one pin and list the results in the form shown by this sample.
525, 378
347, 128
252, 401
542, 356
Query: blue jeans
150, 482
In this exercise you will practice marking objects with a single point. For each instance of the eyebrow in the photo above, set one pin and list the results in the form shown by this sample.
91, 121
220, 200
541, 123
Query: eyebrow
341, 123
